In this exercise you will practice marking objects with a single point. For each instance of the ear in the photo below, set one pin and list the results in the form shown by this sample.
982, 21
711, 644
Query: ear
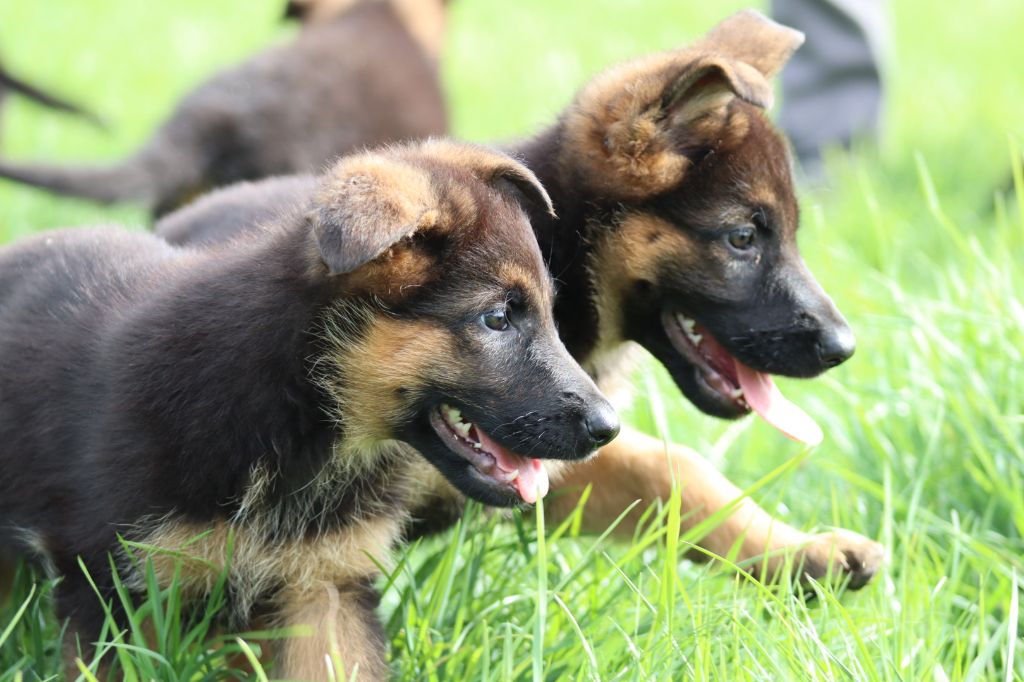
754, 39
492, 167
365, 205
628, 131
526, 184
708, 84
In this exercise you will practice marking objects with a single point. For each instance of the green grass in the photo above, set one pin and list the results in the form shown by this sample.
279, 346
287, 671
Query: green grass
925, 425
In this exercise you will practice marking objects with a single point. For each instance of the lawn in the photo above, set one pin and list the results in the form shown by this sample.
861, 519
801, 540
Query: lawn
920, 242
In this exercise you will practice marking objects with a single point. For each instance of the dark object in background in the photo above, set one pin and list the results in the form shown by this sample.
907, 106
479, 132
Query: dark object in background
832, 87
360, 79
12, 84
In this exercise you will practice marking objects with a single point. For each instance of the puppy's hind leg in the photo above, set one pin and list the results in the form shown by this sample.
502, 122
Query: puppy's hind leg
339, 634
78, 604
7, 570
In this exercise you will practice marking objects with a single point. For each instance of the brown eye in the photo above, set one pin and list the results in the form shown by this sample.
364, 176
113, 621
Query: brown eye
496, 320
742, 238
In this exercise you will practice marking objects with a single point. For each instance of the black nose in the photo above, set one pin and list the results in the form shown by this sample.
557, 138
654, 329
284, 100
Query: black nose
835, 346
602, 424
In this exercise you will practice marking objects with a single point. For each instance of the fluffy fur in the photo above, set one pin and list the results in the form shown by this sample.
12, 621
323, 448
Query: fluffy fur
268, 406
651, 168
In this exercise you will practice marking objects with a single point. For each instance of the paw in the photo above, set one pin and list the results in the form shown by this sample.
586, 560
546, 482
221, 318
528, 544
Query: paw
840, 555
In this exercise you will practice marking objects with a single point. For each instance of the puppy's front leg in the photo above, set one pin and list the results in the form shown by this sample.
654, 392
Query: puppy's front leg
636, 467
342, 630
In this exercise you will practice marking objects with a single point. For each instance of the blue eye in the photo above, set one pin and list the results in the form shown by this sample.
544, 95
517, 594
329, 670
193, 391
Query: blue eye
496, 320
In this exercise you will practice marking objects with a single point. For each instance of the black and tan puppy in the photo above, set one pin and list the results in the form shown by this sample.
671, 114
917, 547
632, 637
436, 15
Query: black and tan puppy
676, 230
354, 77
272, 390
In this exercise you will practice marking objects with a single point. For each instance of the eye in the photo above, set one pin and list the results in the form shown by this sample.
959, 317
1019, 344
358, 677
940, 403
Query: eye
496, 320
741, 238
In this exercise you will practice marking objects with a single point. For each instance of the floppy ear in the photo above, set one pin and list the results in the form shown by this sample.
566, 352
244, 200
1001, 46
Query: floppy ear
752, 38
627, 131
630, 129
708, 84
367, 204
527, 185
492, 167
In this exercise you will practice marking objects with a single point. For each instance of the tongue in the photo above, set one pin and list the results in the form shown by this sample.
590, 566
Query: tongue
764, 397
532, 481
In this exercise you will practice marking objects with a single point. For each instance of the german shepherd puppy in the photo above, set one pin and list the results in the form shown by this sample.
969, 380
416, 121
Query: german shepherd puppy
676, 230
366, 77
266, 394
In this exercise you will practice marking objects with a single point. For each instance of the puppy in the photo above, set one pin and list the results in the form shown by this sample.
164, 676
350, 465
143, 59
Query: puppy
292, 395
676, 230
362, 78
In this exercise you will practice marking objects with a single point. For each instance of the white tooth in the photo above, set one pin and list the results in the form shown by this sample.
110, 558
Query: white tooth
511, 476
696, 339
463, 428
737, 393
688, 324
455, 415
477, 446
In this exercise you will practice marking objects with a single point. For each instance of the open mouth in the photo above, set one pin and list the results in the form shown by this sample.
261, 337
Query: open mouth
716, 366
493, 464
735, 383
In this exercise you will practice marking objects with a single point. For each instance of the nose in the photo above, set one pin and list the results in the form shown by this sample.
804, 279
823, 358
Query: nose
602, 423
835, 345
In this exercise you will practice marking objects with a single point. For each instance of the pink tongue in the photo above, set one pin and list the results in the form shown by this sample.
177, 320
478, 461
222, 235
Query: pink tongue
532, 481
764, 397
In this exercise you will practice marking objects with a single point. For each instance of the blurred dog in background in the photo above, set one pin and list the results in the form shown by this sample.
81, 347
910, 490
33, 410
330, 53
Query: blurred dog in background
361, 73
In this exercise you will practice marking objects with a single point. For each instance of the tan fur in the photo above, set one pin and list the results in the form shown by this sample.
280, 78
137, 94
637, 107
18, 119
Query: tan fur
425, 20
257, 566
638, 467
619, 131
488, 166
366, 395
367, 203
336, 633
750, 37
631, 252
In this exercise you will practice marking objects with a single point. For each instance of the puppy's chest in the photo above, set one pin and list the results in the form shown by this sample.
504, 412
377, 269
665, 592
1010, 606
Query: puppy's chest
337, 529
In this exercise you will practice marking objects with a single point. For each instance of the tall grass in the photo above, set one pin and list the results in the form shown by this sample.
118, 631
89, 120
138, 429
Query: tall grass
921, 243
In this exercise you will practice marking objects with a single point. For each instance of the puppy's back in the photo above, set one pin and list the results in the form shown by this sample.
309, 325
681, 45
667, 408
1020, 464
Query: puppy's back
229, 212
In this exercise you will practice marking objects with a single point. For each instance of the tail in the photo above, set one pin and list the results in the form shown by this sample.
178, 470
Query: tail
9, 82
126, 181
167, 171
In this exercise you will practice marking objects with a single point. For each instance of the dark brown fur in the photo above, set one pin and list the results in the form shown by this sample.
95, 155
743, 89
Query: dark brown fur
346, 82
277, 396
651, 169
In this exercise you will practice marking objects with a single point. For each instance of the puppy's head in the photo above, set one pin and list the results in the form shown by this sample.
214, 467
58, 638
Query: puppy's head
696, 255
445, 337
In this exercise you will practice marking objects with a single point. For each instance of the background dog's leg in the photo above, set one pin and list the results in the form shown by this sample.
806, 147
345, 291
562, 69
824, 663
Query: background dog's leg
340, 624
635, 467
